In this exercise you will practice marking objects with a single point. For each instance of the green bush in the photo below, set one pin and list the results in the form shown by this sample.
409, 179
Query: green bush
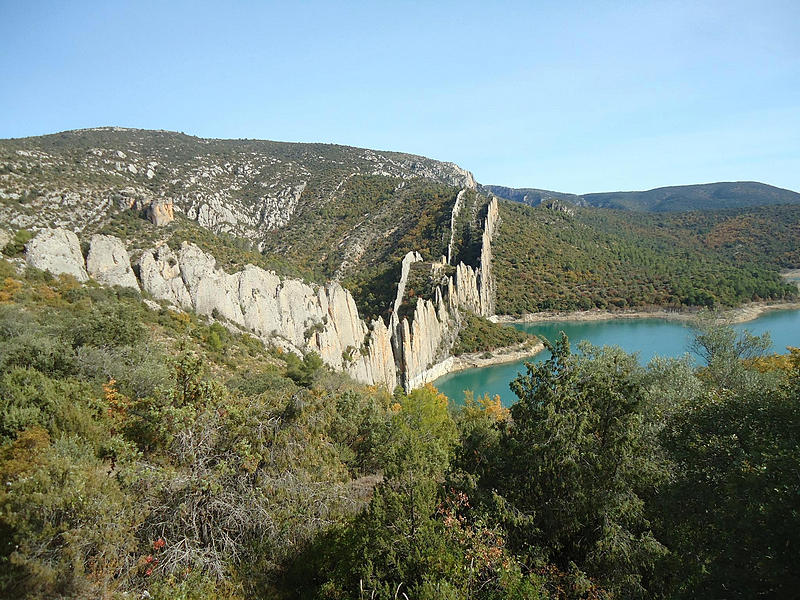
16, 247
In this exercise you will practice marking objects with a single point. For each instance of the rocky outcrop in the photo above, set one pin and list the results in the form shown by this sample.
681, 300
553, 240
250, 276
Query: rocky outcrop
459, 204
160, 275
161, 212
422, 344
487, 289
473, 288
408, 260
291, 313
108, 262
57, 251
424, 340
296, 315
275, 211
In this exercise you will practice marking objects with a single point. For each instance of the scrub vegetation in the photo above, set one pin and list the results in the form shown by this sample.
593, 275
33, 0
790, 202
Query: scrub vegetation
152, 450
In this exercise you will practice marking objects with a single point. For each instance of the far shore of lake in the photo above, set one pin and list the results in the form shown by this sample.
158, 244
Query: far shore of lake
741, 314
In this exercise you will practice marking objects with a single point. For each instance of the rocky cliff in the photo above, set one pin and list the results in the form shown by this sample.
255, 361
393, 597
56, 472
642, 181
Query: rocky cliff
422, 342
288, 313
291, 313
332, 213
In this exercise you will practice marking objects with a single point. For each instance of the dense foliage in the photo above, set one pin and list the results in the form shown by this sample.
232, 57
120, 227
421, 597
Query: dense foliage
478, 334
552, 260
146, 450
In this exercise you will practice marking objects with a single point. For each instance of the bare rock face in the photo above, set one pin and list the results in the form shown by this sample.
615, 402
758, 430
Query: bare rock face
108, 262
292, 313
473, 288
58, 252
408, 260
424, 341
161, 212
160, 275
5, 237
277, 210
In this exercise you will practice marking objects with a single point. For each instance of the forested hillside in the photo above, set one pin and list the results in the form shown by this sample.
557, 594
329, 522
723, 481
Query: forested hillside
708, 196
148, 453
678, 198
554, 260
322, 212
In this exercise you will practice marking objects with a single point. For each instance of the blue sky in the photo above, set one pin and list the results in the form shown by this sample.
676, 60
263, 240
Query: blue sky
571, 96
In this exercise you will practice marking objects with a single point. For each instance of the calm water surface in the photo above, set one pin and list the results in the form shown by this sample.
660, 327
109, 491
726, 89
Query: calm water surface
647, 337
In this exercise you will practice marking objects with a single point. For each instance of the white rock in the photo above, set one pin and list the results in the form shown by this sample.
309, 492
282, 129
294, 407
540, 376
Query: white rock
160, 275
108, 262
58, 252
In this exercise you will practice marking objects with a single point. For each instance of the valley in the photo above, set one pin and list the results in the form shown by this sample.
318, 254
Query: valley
220, 360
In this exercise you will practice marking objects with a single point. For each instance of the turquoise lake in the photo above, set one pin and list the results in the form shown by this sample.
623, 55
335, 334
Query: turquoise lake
647, 337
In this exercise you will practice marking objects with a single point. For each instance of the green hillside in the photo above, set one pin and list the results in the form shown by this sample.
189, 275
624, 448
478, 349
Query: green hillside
709, 196
149, 453
318, 210
552, 260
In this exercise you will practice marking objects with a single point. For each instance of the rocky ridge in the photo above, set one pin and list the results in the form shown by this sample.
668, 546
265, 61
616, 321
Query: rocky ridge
423, 342
291, 313
246, 188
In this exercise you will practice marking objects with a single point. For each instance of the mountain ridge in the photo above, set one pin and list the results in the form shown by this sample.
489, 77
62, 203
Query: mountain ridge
337, 213
676, 198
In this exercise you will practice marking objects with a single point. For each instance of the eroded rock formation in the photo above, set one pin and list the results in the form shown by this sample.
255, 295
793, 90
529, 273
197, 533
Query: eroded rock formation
57, 251
161, 212
289, 312
108, 262
411, 350
422, 343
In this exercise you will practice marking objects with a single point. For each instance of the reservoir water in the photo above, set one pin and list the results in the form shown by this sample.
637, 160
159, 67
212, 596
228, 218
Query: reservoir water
647, 337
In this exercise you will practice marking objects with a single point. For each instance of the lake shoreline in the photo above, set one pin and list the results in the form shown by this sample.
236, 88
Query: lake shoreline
474, 360
498, 356
741, 314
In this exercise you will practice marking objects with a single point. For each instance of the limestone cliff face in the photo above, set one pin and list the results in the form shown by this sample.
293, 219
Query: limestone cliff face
487, 288
57, 251
424, 341
291, 313
422, 344
160, 275
408, 260
457, 207
473, 288
108, 262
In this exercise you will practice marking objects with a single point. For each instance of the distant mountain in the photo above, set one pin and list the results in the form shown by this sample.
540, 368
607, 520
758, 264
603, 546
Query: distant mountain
530, 196
708, 196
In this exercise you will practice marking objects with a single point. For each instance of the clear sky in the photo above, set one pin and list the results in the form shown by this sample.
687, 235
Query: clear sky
571, 96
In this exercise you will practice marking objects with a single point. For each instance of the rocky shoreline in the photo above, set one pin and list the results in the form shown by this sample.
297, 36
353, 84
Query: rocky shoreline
741, 314
497, 356
506, 354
